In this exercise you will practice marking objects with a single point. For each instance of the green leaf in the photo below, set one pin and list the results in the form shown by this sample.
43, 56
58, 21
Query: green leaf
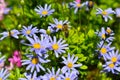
83, 67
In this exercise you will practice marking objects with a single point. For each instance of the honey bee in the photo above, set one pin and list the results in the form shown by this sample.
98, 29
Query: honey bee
65, 30
90, 4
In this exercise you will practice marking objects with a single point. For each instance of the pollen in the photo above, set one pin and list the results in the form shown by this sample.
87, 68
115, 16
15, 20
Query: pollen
103, 50
114, 59
28, 31
59, 26
67, 78
78, 5
52, 78
55, 46
111, 65
70, 64
44, 12
35, 60
0, 78
103, 36
109, 31
36, 46
104, 13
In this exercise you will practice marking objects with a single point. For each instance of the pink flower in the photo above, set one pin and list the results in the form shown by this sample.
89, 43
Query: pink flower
16, 59
10, 67
78, 1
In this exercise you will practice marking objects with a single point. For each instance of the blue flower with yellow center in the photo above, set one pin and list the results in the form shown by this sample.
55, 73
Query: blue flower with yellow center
59, 46
14, 33
111, 67
113, 57
39, 46
46, 11
34, 63
104, 49
4, 74
52, 75
29, 31
70, 64
76, 5
105, 13
58, 25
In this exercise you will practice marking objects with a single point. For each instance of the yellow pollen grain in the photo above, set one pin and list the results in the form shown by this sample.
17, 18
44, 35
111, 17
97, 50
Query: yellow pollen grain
59, 26
52, 78
35, 60
28, 32
111, 65
67, 78
103, 50
78, 5
44, 12
114, 59
36, 46
109, 31
103, 36
70, 64
104, 13
0, 78
55, 46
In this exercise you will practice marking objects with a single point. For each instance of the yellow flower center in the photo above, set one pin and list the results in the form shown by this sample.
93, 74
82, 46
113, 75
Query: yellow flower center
52, 78
44, 12
59, 26
55, 46
90, 3
114, 59
103, 36
103, 50
70, 64
67, 78
35, 60
109, 31
0, 78
28, 32
10, 33
78, 5
104, 13
36, 46
111, 65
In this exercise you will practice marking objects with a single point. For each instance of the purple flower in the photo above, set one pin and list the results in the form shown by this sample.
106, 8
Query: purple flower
117, 11
44, 11
105, 13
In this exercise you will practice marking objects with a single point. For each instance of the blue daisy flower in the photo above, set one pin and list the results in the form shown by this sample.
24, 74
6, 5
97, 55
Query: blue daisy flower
39, 46
117, 11
106, 35
30, 76
76, 5
52, 75
29, 31
58, 25
4, 74
105, 13
104, 49
59, 46
70, 64
14, 33
34, 63
69, 76
113, 57
44, 11
111, 67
